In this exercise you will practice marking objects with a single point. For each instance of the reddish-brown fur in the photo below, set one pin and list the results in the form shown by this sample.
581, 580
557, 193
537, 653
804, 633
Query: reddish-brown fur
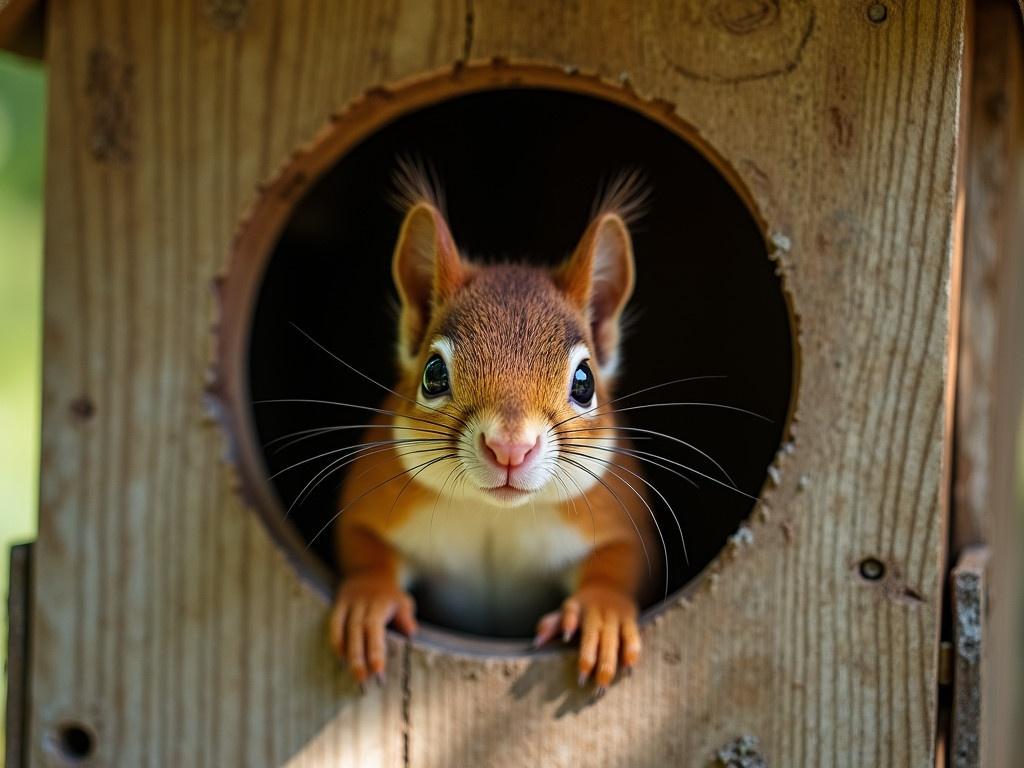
512, 328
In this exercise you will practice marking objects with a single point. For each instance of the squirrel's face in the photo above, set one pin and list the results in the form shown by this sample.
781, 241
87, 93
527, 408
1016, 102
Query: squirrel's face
506, 367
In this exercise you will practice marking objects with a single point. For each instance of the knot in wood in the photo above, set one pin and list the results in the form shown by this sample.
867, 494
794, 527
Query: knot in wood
741, 17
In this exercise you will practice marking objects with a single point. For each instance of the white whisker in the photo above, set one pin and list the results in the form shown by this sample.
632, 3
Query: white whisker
656, 434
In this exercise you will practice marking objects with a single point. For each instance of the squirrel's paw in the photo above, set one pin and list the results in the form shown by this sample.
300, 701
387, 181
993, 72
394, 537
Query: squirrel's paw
609, 635
362, 610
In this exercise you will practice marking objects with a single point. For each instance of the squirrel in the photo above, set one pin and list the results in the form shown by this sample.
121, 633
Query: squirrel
504, 488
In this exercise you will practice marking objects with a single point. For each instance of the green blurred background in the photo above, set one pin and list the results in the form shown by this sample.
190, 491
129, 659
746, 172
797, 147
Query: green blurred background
22, 100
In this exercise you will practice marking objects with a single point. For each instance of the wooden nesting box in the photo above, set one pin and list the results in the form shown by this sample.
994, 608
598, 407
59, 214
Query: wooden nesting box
167, 625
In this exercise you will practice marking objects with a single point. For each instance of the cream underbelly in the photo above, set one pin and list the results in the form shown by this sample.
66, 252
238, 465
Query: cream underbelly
488, 569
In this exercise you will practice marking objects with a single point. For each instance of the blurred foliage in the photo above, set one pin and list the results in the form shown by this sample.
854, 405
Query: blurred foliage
22, 98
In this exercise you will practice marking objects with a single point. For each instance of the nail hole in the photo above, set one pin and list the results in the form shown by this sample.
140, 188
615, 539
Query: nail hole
82, 407
877, 13
75, 742
872, 568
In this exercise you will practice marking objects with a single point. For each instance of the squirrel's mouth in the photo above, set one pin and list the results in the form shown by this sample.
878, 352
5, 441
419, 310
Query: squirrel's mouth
507, 493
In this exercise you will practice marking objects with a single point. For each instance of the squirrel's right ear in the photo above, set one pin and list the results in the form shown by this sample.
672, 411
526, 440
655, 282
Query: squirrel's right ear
427, 270
598, 279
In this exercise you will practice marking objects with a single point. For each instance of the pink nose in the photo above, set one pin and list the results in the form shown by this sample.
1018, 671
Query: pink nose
509, 453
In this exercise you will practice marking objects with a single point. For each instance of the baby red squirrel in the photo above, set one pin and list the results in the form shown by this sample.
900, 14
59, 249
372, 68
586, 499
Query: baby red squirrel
498, 493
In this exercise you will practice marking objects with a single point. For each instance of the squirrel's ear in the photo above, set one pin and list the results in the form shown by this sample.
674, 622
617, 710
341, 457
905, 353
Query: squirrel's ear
598, 279
427, 270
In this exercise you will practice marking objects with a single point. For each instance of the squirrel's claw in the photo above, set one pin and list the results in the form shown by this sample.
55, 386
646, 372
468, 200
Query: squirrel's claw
609, 635
547, 628
358, 622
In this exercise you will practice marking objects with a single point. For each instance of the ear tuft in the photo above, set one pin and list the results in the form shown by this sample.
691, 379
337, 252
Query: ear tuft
427, 271
598, 279
416, 182
627, 195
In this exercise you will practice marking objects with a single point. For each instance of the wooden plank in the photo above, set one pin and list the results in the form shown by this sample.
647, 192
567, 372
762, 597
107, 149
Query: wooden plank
969, 598
18, 603
990, 271
991, 374
164, 618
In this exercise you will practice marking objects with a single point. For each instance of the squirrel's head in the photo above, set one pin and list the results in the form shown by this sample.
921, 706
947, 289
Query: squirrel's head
511, 362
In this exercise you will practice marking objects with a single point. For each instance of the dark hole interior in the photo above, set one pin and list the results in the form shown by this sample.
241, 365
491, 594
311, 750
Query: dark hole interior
520, 169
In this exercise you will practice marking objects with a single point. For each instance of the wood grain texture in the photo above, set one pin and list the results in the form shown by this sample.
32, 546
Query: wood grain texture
991, 372
164, 617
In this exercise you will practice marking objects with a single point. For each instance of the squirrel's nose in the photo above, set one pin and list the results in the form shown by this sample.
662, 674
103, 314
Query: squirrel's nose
509, 453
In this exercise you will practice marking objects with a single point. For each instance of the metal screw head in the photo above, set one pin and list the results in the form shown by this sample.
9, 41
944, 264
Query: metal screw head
877, 13
872, 568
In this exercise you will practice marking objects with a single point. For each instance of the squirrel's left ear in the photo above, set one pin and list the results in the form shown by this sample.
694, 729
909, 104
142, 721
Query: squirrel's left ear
598, 279
427, 270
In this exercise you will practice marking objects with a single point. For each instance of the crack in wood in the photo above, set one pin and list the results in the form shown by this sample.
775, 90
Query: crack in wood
467, 43
406, 699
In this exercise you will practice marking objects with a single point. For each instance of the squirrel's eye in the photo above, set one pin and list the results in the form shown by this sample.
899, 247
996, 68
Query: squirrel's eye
582, 390
435, 377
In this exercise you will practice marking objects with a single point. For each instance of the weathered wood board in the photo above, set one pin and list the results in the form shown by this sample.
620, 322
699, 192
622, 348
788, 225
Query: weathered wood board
166, 622
991, 376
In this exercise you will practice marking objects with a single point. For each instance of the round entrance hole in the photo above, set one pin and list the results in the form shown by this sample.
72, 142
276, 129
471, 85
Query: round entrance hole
521, 158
